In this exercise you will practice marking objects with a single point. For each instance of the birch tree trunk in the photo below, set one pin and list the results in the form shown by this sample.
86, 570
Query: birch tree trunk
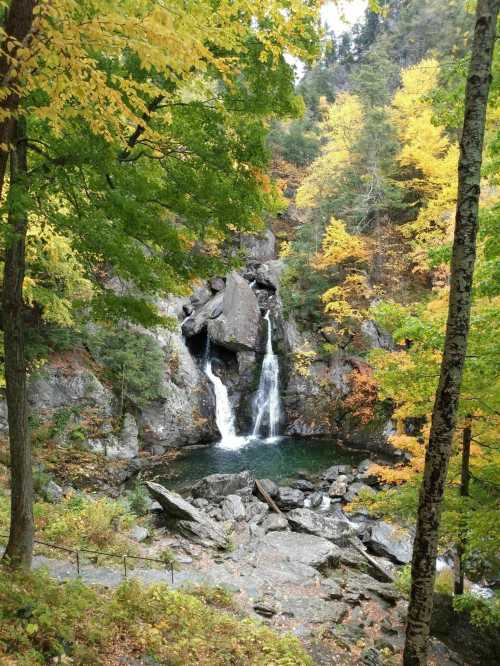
447, 395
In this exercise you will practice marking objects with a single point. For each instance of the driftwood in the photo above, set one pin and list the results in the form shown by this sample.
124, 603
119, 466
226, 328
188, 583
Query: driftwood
265, 495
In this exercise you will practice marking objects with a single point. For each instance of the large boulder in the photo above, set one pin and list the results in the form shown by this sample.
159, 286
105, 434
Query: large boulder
275, 522
187, 519
256, 511
200, 318
339, 486
237, 328
268, 274
269, 486
206, 534
303, 548
333, 529
333, 472
289, 498
390, 541
233, 508
173, 504
218, 486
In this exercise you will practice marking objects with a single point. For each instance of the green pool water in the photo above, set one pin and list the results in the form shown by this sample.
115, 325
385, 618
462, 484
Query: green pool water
281, 459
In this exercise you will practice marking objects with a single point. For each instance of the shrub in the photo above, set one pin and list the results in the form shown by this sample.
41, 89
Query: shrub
138, 500
42, 620
80, 522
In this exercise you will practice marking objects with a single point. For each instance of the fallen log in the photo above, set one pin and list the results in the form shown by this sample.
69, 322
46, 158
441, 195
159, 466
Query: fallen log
267, 497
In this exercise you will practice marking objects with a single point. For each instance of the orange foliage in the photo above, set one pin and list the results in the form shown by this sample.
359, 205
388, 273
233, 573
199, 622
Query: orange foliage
363, 396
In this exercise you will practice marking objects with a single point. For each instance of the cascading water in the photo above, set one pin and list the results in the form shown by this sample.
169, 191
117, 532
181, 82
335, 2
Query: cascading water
224, 416
267, 400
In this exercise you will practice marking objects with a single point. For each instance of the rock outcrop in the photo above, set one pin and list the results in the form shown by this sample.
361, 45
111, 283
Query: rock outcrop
237, 328
187, 519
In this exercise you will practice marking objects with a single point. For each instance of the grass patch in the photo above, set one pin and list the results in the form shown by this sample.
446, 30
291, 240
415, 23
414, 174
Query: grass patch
42, 621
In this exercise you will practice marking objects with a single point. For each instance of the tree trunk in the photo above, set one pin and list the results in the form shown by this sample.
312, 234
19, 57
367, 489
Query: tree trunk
464, 492
20, 546
18, 25
446, 401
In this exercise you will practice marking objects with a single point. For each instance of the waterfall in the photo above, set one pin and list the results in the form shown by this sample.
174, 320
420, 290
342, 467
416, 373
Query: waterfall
267, 400
224, 416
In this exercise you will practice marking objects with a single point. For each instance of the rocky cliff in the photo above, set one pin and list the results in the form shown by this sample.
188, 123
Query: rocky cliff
73, 391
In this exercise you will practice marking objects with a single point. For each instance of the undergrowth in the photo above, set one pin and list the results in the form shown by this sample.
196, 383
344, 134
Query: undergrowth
43, 621
79, 522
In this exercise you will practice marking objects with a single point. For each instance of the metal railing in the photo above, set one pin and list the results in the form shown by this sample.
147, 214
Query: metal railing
124, 558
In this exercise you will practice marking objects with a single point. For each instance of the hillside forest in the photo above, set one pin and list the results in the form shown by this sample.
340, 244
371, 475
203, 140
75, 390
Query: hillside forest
250, 303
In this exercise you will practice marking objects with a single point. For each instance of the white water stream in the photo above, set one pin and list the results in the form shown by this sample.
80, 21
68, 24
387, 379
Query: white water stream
266, 403
224, 416
267, 400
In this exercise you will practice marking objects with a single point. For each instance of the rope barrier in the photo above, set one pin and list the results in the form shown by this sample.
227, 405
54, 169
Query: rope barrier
123, 558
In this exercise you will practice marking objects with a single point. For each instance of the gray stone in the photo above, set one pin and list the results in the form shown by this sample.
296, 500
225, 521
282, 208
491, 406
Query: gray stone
306, 549
173, 504
200, 296
261, 247
364, 465
256, 511
311, 522
128, 447
267, 608
200, 503
217, 486
139, 533
304, 485
270, 487
256, 531
333, 589
53, 492
206, 534
356, 488
185, 414
268, 274
233, 508
371, 657
200, 319
335, 471
274, 522
54, 387
390, 541
190, 521
315, 610
237, 328
338, 487
375, 336
217, 284
316, 499
289, 498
